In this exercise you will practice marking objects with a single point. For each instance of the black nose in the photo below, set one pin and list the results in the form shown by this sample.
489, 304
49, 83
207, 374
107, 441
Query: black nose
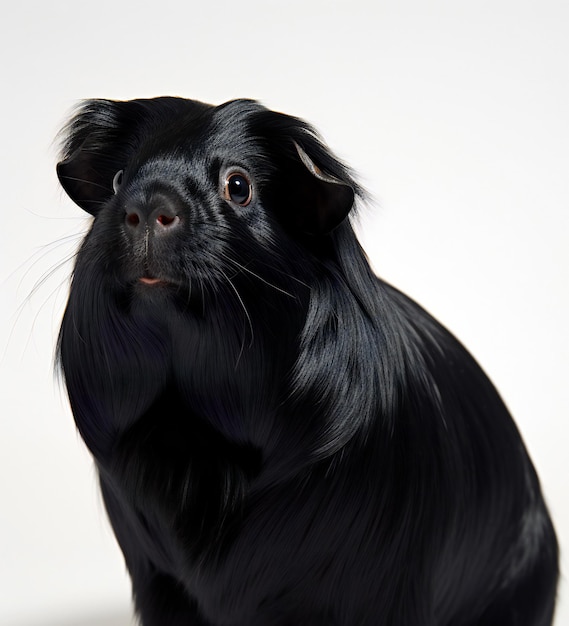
160, 216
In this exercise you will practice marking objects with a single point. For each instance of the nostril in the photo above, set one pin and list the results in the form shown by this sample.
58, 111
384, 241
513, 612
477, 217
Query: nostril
167, 220
133, 219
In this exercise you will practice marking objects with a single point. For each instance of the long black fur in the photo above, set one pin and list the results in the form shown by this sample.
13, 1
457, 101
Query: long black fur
281, 437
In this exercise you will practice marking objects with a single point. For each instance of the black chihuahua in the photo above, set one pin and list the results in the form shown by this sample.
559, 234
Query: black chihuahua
282, 438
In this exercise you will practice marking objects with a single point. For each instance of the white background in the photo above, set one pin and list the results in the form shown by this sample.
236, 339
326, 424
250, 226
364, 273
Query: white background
455, 113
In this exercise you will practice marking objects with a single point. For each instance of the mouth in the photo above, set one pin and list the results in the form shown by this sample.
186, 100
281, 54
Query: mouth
147, 285
147, 280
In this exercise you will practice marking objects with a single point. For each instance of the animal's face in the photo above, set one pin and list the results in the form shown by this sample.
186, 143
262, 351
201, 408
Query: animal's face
189, 195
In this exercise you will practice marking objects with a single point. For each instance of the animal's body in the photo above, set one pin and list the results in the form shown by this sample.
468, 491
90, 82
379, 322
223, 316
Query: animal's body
281, 437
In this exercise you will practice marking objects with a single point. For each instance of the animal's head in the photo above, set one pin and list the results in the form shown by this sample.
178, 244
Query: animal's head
220, 264
183, 191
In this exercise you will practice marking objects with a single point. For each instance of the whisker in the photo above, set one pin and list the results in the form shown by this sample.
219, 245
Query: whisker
41, 253
263, 280
87, 182
58, 287
246, 314
55, 218
42, 280
290, 276
201, 284
189, 292
48, 274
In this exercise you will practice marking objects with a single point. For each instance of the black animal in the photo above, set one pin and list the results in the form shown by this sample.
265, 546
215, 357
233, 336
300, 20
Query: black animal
281, 437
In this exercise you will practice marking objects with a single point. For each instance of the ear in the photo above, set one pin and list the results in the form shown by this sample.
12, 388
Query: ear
86, 177
311, 191
92, 152
325, 200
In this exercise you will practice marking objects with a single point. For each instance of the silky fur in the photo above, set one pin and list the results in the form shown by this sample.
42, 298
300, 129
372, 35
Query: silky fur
281, 437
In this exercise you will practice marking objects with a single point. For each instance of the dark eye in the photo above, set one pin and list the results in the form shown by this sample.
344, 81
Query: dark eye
238, 189
117, 181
